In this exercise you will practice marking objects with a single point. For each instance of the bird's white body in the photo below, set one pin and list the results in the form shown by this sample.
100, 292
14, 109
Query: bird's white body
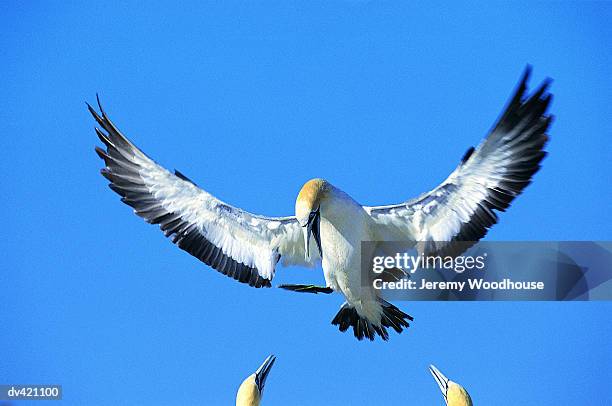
344, 225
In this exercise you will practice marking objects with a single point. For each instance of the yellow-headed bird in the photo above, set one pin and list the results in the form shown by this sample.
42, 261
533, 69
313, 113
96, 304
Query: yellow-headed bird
251, 389
454, 394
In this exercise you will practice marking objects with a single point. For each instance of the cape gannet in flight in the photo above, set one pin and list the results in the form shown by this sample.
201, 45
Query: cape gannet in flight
454, 394
251, 389
247, 247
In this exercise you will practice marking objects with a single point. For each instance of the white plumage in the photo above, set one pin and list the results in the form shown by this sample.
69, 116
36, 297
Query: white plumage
247, 247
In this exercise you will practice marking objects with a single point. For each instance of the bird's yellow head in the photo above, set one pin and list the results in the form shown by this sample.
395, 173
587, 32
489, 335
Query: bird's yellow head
248, 393
453, 393
308, 211
456, 395
251, 389
309, 199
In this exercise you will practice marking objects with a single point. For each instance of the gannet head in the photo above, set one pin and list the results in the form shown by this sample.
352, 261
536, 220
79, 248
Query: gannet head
251, 389
308, 211
454, 394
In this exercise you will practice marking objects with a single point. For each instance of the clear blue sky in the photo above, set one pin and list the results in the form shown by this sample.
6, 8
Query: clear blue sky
250, 101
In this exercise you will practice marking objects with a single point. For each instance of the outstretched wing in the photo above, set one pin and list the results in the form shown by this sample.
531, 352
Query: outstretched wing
488, 178
239, 244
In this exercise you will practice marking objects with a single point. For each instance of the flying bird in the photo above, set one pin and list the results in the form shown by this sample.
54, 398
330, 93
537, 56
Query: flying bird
250, 391
329, 226
454, 394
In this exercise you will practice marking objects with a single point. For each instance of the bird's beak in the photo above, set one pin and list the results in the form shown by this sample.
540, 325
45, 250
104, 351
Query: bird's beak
313, 227
262, 372
441, 380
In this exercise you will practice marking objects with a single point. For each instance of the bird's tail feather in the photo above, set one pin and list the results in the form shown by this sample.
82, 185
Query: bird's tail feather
391, 317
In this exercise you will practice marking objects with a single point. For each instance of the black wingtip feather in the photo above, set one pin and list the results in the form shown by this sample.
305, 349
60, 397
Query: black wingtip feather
527, 72
94, 113
107, 174
467, 155
100, 105
182, 176
103, 138
101, 153
90, 109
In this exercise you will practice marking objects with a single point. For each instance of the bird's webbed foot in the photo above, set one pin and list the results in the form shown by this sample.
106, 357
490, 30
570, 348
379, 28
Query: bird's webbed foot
307, 288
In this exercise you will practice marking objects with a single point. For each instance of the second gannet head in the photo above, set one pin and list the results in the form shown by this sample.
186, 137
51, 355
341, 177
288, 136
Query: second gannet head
454, 394
251, 389
308, 211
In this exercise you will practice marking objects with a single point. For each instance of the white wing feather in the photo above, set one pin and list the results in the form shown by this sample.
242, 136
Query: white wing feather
239, 244
488, 178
